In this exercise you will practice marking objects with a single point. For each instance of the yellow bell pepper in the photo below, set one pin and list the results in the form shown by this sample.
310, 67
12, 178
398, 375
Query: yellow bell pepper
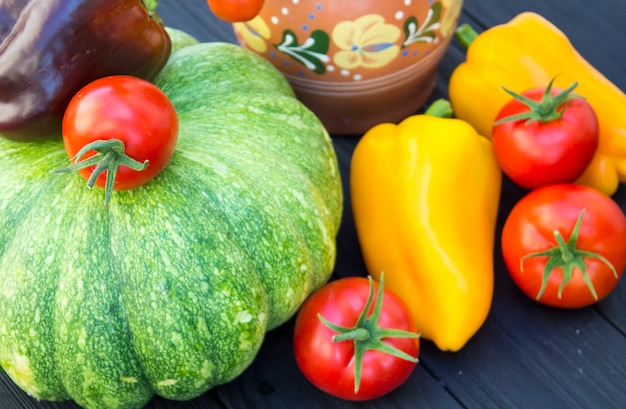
527, 52
425, 197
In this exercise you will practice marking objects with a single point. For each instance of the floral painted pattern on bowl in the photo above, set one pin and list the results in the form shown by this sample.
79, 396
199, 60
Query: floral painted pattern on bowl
343, 41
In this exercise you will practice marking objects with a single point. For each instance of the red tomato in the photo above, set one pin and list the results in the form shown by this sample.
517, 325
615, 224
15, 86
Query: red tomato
235, 10
555, 146
125, 118
355, 368
593, 241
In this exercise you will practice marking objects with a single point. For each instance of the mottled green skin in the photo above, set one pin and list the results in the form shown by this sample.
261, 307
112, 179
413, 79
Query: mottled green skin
180, 38
170, 289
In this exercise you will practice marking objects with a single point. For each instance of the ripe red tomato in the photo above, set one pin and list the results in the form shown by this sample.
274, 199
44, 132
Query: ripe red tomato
332, 351
584, 264
550, 137
235, 10
123, 124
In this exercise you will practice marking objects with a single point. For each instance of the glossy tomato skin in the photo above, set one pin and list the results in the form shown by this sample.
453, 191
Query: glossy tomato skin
127, 108
529, 228
235, 10
542, 153
330, 365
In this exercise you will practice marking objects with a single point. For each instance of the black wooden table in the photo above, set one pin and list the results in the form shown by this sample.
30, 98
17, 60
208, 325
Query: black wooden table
526, 355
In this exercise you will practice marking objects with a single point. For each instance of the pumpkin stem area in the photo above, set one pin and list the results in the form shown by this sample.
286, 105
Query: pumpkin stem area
366, 334
110, 155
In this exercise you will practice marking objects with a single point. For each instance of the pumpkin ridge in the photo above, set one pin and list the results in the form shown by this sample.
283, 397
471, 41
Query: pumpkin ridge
35, 373
251, 169
94, 360
181, 285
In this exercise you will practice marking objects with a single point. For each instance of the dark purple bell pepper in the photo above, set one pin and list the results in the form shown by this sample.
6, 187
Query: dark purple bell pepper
50, 49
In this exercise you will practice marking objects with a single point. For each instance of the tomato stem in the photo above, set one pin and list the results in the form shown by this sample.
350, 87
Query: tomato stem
109, 157
357, 335
367, 334
567, 256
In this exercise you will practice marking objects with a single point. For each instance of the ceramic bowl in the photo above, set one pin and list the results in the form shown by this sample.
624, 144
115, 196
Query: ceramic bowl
355, 63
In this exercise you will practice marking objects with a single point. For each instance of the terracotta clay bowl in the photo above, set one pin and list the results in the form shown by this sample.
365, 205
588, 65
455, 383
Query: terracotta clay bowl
355, 63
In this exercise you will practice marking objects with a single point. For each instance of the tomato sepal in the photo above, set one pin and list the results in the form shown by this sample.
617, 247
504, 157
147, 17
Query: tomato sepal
567, 256
545, 110
109, 157
367, 334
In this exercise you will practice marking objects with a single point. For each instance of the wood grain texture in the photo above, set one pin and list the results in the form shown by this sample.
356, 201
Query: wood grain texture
526, 355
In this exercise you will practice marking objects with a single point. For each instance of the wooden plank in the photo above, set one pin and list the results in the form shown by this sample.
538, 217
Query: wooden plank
274, 381
526, 355
612, 308
194, 17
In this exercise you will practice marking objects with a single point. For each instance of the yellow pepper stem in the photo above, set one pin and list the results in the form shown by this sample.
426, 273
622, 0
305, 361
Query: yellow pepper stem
441, 108
465, 34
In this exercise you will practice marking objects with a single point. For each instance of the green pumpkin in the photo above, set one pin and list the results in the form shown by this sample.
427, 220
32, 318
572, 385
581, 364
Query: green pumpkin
171, 288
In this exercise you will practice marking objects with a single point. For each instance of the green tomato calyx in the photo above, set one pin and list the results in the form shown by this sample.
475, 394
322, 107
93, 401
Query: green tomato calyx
109, 157
367, 334
567, 256
550, 107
